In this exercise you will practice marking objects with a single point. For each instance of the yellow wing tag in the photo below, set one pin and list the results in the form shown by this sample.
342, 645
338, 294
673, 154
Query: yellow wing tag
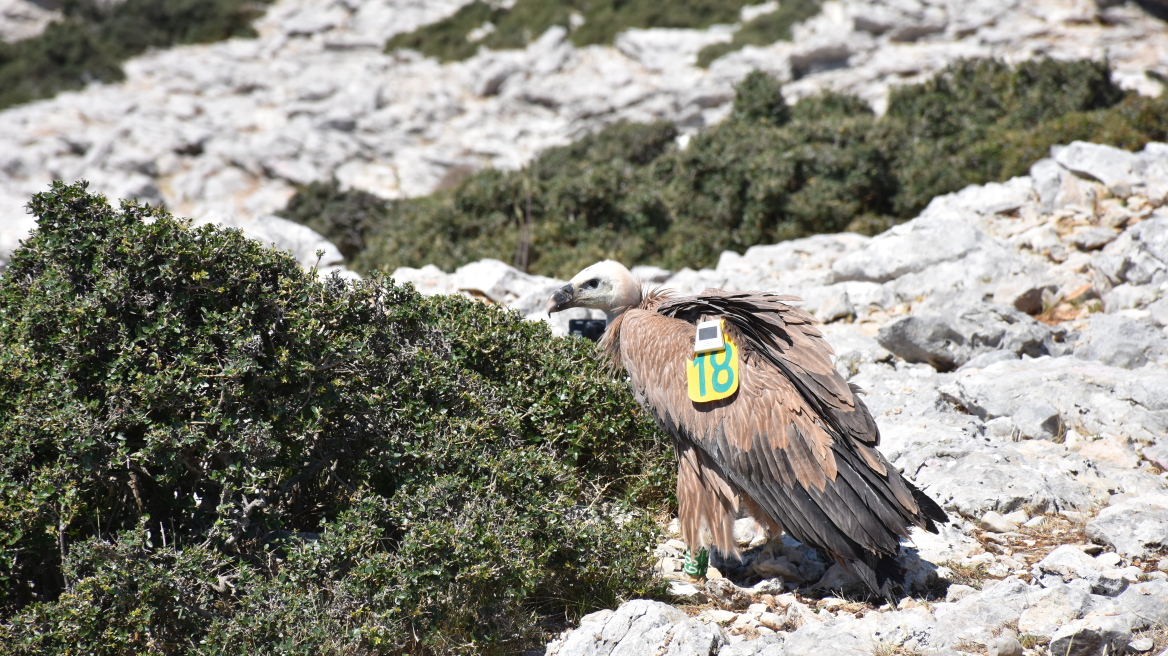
713, 376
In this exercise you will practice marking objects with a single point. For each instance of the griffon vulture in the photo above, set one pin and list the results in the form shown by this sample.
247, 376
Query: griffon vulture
792, 441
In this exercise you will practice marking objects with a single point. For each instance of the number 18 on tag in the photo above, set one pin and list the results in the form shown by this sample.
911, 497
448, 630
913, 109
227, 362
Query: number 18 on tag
713, 373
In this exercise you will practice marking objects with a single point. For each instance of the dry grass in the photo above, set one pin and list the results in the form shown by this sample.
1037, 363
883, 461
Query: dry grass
1159, 636
966, 575
1031, 641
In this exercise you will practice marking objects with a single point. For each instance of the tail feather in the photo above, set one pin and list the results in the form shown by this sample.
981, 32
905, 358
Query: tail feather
931, 510
883, 577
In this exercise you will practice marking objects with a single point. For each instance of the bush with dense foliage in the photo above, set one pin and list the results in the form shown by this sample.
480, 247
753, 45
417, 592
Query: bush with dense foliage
206, 449
770, 172
94, 37
516, 24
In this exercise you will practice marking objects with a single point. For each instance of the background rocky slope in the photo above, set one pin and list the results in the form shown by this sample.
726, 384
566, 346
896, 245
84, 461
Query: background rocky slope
231, 128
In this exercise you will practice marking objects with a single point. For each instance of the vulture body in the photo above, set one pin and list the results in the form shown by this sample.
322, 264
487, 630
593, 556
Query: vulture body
794, 443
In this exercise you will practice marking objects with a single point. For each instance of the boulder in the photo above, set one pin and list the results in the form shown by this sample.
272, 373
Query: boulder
639, 627
1135, 527
976, 481
1069, 562
302, 242
1139, 256
1006, 645
1121, 341
995, 522
1147, 602
1096, 635
427, 280
24, 19
948, 341
1107, 164
1102, 400
910, 248
506, 285
845, 633
650, 274
975, 617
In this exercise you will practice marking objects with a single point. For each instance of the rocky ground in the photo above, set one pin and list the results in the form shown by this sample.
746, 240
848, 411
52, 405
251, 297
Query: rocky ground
1011, 341
229, 129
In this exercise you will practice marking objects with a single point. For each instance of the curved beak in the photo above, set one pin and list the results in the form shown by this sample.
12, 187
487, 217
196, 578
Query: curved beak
561, 300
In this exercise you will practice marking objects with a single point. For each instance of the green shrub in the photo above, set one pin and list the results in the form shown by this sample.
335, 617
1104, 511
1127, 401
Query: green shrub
205, 449
768, 173
93, 39
345, 218
948, 129
517, 26
759, 99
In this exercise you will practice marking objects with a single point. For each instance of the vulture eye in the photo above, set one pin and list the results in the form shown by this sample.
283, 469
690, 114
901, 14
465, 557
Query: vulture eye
591, 284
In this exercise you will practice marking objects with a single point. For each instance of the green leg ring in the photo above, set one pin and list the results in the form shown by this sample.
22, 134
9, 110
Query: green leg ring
696, 566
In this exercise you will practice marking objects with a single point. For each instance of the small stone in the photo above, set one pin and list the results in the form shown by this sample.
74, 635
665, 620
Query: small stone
745, 619
1162, 565
957, 592
757, 609
831, 602
777, 568
685, 591
727, 595
677, 544
834, 307
772, 621
1109, 583
721, 616
1069, 562
1141, 645
744, 530
1005, 646
1018, 517
1108, 560
713, 573
1094, 238
1035, 522
994, 522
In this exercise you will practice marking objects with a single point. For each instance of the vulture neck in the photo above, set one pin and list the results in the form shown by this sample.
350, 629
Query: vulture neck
612, 314
627, 296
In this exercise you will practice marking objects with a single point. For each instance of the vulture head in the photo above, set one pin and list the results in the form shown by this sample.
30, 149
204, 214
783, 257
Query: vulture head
606, 285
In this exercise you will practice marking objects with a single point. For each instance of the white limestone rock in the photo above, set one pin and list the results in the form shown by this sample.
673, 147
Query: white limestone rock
24, 19
639, 627
948, 341
1135, 527
1092, 636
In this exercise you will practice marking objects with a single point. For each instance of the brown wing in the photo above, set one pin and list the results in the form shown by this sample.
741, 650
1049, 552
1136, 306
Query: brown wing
794, 438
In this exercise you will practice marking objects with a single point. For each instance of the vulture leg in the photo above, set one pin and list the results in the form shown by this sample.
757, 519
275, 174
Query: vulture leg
707, 502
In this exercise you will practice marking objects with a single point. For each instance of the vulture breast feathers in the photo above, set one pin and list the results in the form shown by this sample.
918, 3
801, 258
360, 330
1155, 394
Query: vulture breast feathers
794, 442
